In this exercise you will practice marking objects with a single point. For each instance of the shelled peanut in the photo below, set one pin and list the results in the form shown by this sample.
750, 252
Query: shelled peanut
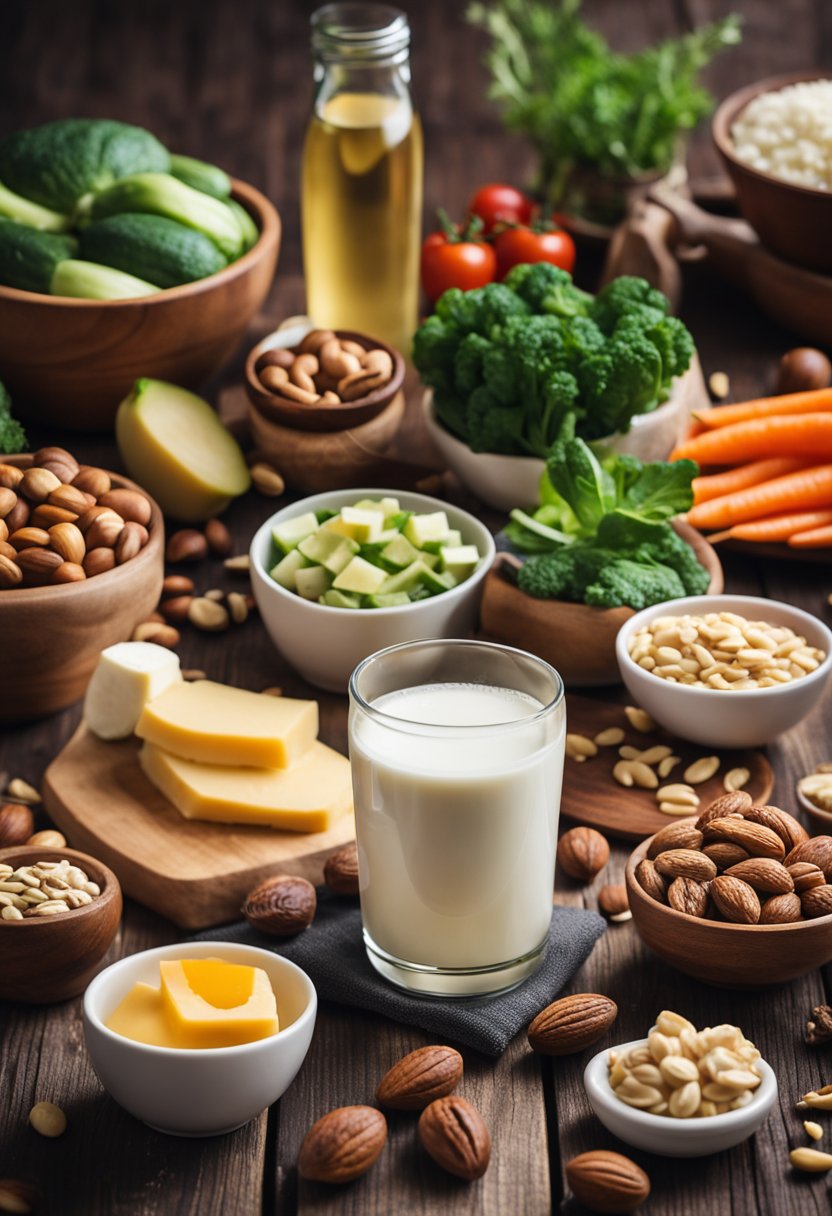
740, 863
62, 522
324, 370
45, 888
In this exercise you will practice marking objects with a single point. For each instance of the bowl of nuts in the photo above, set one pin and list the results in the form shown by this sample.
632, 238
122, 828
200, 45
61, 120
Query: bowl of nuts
682, 1092
59, 915
81, 564
740, 897
322, 380
725, 670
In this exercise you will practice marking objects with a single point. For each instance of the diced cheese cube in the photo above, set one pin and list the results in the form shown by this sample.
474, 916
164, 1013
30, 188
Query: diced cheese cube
128, 675
211, 1003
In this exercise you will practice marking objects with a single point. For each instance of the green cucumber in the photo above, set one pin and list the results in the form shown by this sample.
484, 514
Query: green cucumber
248, 229
163, 194
210, 179
15, 207
152, 247
89, 281
28, 258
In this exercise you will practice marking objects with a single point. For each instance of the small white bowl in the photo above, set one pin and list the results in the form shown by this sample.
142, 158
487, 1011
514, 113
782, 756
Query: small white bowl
670, 1137
716, 717
326, 644
204, 1091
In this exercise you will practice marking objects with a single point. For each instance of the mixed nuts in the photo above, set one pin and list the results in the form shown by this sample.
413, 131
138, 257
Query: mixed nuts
45, 888
324, 370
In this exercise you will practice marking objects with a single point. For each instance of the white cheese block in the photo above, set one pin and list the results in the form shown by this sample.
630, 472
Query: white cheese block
128, 675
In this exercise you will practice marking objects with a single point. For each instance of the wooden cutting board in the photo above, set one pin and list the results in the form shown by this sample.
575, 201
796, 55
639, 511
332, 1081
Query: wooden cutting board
195, 873
592, 796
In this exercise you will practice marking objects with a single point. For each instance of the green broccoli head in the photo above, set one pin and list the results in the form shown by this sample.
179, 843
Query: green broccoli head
617, 382
496, 304
468, 362
492, 426
12, 436
435, 345
625, 296
563, 574
675, 345
547, 289
632, 584
458, 308
671, 550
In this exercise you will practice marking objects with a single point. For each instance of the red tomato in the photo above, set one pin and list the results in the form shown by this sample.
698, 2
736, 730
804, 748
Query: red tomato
496, 204
455, 263
517, 245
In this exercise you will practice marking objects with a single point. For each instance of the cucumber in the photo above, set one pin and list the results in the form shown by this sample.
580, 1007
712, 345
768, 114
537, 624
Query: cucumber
14, 207
28, 258
152, 247
210, 179
163, 194
89, 281
249, 230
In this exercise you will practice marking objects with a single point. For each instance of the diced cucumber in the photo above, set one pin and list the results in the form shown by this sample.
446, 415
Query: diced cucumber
390, 506
436, 581
370, 504
324, 514
395, 600
291, 532
287, 568
397, 520
360, 576
363, 526
399, 552
339, 599
329, 549
459, 560
453, 538
406, 579
430, 526
312, 582
431, 560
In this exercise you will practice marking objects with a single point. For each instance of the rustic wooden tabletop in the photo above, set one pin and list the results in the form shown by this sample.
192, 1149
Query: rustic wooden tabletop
231, 82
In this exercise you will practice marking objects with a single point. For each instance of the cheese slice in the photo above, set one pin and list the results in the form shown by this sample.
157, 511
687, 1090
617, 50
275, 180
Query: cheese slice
141, 1016
308, 797
211, 1003
221, 725
128, 675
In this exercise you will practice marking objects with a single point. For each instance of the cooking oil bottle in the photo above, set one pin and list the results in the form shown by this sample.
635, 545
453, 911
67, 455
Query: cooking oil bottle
362, 176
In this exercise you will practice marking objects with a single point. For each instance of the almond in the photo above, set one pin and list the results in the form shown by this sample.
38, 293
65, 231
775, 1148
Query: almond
725, 854
92, 480
341, 870
817, 901
10, 476
19, 1197
98, 561
651, 881
735, 803
818, 851
59, 461
736, 900
582, 853
85, 520
176, 608
177, 584
685, 863
454, 1134
688, 895
607, 1182
683, 835
8, 501
131, 505
37, 484
343, 1144
571, 1024
757, 840
763, 874
281, 906
29, 537
18, 516
69, 572
16, 824
68, 540
10, 573
38, 565
70, 498
131, 540
419, 1078
218, 538
104, 530
614, 902
786, 826
187, 545
781, 910
805, 875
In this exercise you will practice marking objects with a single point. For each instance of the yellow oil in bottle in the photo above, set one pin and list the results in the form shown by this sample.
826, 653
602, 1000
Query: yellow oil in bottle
362, 202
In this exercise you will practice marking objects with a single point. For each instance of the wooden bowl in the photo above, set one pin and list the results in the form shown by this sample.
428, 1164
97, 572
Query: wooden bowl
820, 821
320, 418
53, 958
722, 954
794, 221
52, 636
577, 639
68, 363
334, 461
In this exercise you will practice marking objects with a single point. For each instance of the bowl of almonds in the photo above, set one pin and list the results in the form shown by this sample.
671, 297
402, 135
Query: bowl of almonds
59, 912
740, 897
81, 564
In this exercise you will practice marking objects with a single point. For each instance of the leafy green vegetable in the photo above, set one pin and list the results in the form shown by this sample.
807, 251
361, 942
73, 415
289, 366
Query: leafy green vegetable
12, 435
580, 103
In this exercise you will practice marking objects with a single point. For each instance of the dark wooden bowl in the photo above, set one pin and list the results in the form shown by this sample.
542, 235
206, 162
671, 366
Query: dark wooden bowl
320, 418
722, 954
68, 363
53, 958
52, 636
795, 222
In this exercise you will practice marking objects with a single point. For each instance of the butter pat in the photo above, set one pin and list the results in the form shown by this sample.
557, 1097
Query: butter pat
209, 1003
221, 725
308, 797
128, 675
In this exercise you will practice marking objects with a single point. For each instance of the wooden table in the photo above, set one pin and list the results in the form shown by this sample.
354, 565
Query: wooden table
230, 82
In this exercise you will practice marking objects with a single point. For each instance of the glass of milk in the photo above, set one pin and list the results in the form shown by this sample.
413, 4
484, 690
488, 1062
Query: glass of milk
457, 759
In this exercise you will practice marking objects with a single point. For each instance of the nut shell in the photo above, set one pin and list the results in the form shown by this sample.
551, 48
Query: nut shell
419, 1078
781, 910
571, 1024
685, 863
736, 900
341, 870
343, 1144
651, 881
281, 906
607, 1182
582, 853
817, 901
454, 1134
756, 839
17, 823
763, 874
688, 895
682, 835
735, 803
818, 851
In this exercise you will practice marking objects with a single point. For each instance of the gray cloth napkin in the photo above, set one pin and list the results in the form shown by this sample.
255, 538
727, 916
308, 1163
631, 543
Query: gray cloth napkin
332, 953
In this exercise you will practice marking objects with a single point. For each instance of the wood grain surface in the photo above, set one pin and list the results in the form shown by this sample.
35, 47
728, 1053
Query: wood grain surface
232, 83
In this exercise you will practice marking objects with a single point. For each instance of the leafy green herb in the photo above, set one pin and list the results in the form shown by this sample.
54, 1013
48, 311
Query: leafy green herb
12, 435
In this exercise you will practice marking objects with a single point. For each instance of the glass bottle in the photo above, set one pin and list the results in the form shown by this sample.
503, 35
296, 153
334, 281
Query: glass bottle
362, 176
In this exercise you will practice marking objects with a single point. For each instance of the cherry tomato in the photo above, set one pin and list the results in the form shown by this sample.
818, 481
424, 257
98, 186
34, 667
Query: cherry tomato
496, 204
451, 262
516, 245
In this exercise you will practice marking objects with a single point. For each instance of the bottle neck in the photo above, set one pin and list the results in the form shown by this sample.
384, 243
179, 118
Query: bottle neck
379, 80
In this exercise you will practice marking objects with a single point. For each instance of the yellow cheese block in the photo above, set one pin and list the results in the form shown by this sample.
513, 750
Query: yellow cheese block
221, 725
308, 797
211, 1003
141, 1016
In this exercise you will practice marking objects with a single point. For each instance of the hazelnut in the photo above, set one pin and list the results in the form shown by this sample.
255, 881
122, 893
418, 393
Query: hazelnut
281, 906
16, 824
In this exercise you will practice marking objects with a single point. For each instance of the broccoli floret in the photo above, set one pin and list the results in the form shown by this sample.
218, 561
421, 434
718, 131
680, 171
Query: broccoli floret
564, 574
491, 426
675, 345
625, 296
458, 308
548, 289
12, 435
622, 380
434, 349
671, 550
633, 584
495, 305
581, 337
451, 410
468, 362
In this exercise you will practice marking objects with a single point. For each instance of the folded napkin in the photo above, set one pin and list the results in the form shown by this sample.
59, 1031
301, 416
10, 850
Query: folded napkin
332, 953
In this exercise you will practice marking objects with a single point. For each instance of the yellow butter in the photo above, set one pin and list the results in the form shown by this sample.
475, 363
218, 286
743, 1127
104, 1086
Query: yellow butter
308, 797
221, 725
210, 1003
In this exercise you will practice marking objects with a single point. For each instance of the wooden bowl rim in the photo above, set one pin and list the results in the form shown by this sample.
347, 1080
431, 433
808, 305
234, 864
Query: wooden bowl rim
144, 558
265, 215
816, 813
634, 888
731, 107
348, 414
97, 871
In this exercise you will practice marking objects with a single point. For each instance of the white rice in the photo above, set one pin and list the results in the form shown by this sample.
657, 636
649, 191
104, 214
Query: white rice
788, 134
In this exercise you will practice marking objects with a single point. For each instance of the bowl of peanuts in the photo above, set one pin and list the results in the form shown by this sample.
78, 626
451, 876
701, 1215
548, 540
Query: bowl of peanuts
725, 670
682, 1092
312, 379
740, 897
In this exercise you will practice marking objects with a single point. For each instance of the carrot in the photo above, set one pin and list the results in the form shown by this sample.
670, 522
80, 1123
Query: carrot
761, 438
766, 407
815, 538
715, 485
801, 491
778, 527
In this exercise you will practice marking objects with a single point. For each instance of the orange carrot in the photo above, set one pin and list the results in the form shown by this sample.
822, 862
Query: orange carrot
778, 527
715, 485
761, 438
805, 490
766, 407
815, 538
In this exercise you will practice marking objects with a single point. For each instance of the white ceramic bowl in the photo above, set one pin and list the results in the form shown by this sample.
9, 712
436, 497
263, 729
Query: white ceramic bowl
326, 644
718, 718
670, 1137
205, 1091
